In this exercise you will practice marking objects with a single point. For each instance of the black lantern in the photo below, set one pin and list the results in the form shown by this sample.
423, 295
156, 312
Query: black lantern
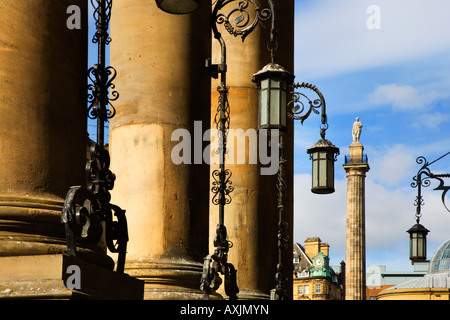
178, 6
323, 155
273, 82
418, 243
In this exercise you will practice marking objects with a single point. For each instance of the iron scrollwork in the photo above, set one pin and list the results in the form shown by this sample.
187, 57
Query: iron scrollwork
83, 204
99, 90
237, 22
423, 179
298, 109
282, 235
242, 24
298, 112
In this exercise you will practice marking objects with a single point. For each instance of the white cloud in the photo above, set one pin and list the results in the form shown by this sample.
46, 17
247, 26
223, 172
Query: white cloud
431, 121
393, 165
403, 97
322, 216
400, 96
332, 37
389, 214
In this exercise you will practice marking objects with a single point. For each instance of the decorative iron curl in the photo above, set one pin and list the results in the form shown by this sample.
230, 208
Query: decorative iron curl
298, 109
93, 202
102, 20
282, 234
221, 187
100, 97
423, 179
280, 288
99, 176
222, 120
442, 187
424, 170
242, 25
218, 263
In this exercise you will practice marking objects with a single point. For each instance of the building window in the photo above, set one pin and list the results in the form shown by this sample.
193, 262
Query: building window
306, 289
300, 290
318, 288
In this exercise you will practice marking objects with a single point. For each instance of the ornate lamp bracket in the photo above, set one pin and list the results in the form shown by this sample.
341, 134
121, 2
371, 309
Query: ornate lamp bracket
423, 179
237, 22
301, 111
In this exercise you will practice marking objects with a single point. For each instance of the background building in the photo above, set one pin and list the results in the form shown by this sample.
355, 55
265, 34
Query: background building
314, 279
434, 285
378, 278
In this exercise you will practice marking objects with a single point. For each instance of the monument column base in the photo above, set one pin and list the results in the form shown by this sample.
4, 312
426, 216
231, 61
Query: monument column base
55, 277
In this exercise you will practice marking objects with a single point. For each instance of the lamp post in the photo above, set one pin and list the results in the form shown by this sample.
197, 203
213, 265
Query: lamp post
238, 23
83, 205
418, 233
274, 84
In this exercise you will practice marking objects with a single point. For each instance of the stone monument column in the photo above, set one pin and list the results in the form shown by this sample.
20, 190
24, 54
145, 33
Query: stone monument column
164, 87
356, 166
251, 217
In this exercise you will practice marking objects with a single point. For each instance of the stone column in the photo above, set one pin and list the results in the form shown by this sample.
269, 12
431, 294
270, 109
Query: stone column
356, 167
43, 76
251, 218
164, 86
43, 124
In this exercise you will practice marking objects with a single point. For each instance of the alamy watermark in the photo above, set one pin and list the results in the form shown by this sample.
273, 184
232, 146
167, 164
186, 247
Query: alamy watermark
373, 22
74, 20
73, 281
242, 147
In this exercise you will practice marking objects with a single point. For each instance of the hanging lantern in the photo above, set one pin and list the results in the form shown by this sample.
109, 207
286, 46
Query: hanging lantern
273, 82
323, 155
178, 6
418, 243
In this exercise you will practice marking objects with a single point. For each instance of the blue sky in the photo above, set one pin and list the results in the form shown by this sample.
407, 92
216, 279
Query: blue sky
396, 79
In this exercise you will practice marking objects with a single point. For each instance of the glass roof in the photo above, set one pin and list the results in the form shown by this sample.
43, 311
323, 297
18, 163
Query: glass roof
441, 259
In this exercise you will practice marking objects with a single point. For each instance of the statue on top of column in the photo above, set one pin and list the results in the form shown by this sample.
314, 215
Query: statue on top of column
356, 131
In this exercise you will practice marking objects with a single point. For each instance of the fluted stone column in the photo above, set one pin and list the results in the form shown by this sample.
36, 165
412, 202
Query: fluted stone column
164, 86
251, 218
356, 167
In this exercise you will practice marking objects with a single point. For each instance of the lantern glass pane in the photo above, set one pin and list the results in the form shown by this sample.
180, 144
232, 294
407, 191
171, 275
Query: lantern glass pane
283, 107
264, 84
315, 169
263, 105
274, 83
330, 172
420, 245
322, 170
274, 107
413, 248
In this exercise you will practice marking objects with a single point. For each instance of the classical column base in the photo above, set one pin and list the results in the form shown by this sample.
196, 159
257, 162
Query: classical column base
50, 276
170, 280
253, 295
